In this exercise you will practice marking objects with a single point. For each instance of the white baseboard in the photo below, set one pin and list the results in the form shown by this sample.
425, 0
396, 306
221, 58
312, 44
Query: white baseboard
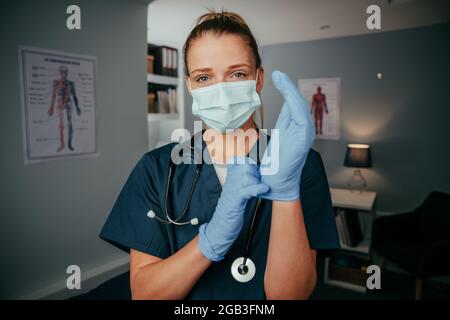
90, 279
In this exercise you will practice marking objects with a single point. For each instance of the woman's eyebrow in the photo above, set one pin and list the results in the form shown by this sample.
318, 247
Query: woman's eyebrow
234, 66
201, 70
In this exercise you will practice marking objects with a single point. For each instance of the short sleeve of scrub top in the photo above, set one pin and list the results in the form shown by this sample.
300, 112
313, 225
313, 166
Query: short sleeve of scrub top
317, 207
128, 227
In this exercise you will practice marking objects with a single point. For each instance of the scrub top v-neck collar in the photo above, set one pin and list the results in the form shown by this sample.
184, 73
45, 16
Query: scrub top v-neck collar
208, 174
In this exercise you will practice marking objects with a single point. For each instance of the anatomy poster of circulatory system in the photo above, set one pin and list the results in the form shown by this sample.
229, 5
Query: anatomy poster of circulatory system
58, 104
323, 96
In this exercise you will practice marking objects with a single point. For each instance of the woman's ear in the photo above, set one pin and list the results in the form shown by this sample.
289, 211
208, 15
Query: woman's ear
260, 80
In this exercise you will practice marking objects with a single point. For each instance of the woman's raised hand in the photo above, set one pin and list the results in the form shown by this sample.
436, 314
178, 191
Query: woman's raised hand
289, 145
242, 183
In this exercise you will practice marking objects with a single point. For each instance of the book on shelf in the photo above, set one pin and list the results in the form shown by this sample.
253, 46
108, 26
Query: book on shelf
353, 226
348, 225
162, 101
162, 98
340, 228
165, 60
347, 235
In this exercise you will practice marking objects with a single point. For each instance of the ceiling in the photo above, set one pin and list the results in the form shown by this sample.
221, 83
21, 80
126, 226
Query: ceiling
281, 21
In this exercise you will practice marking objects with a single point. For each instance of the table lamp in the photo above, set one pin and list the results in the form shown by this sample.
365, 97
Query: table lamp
357, 156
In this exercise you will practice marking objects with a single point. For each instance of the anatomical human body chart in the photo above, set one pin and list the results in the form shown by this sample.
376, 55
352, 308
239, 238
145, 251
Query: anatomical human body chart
323, 96
58, 104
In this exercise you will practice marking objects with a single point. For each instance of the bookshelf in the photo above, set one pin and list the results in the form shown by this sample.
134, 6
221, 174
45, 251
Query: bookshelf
363, 247
162, 80
165, 92
347, 269
345, 198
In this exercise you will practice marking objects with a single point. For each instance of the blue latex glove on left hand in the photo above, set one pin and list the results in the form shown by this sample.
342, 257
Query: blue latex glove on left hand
286, 154
241, 184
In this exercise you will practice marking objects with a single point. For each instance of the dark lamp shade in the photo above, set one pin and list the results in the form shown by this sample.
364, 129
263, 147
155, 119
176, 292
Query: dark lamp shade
358, 156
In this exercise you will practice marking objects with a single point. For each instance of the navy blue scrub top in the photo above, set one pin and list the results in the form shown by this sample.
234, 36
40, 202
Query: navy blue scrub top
128, 225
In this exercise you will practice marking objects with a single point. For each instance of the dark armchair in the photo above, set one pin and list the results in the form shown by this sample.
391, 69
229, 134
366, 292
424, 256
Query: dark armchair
418, 241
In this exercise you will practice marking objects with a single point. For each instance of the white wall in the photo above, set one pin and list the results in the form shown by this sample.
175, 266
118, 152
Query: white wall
51, 213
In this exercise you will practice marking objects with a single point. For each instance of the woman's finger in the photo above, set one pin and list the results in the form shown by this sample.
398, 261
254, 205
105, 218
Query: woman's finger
297, 105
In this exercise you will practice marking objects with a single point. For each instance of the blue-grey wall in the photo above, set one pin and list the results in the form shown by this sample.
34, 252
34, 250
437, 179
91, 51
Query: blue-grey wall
51, 213
404, 117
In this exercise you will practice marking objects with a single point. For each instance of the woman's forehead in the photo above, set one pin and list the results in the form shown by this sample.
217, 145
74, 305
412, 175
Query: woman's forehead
219, 52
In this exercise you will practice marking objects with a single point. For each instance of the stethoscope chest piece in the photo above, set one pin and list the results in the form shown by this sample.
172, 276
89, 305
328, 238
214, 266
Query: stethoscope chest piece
243, 272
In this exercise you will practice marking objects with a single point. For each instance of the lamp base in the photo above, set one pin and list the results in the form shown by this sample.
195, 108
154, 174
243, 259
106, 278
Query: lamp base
357, 182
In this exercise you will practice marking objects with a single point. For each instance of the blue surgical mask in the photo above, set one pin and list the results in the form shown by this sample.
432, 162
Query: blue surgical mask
225, 105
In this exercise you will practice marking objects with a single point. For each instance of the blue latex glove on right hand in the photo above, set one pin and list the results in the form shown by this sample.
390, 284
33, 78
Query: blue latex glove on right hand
241, 184
286, 154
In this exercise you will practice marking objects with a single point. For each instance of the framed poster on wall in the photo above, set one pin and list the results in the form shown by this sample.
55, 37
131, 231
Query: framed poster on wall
323, 96
58, 104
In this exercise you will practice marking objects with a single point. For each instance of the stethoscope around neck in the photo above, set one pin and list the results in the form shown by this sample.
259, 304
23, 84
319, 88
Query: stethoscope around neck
242, 269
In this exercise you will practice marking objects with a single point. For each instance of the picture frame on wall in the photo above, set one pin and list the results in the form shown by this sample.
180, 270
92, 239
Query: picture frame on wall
323, 96
58, 95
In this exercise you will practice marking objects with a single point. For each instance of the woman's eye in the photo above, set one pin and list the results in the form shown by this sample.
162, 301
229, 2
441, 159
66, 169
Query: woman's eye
239, 75
202, 79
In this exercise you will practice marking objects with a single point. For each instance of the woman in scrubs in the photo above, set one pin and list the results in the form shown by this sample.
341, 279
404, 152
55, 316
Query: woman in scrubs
296, 221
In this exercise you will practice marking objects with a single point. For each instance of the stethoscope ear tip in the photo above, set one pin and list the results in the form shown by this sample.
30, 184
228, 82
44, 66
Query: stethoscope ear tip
194, 221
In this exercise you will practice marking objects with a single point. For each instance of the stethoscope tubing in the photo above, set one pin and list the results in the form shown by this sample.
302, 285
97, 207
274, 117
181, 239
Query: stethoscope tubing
176, 221
250, 231
191, 191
